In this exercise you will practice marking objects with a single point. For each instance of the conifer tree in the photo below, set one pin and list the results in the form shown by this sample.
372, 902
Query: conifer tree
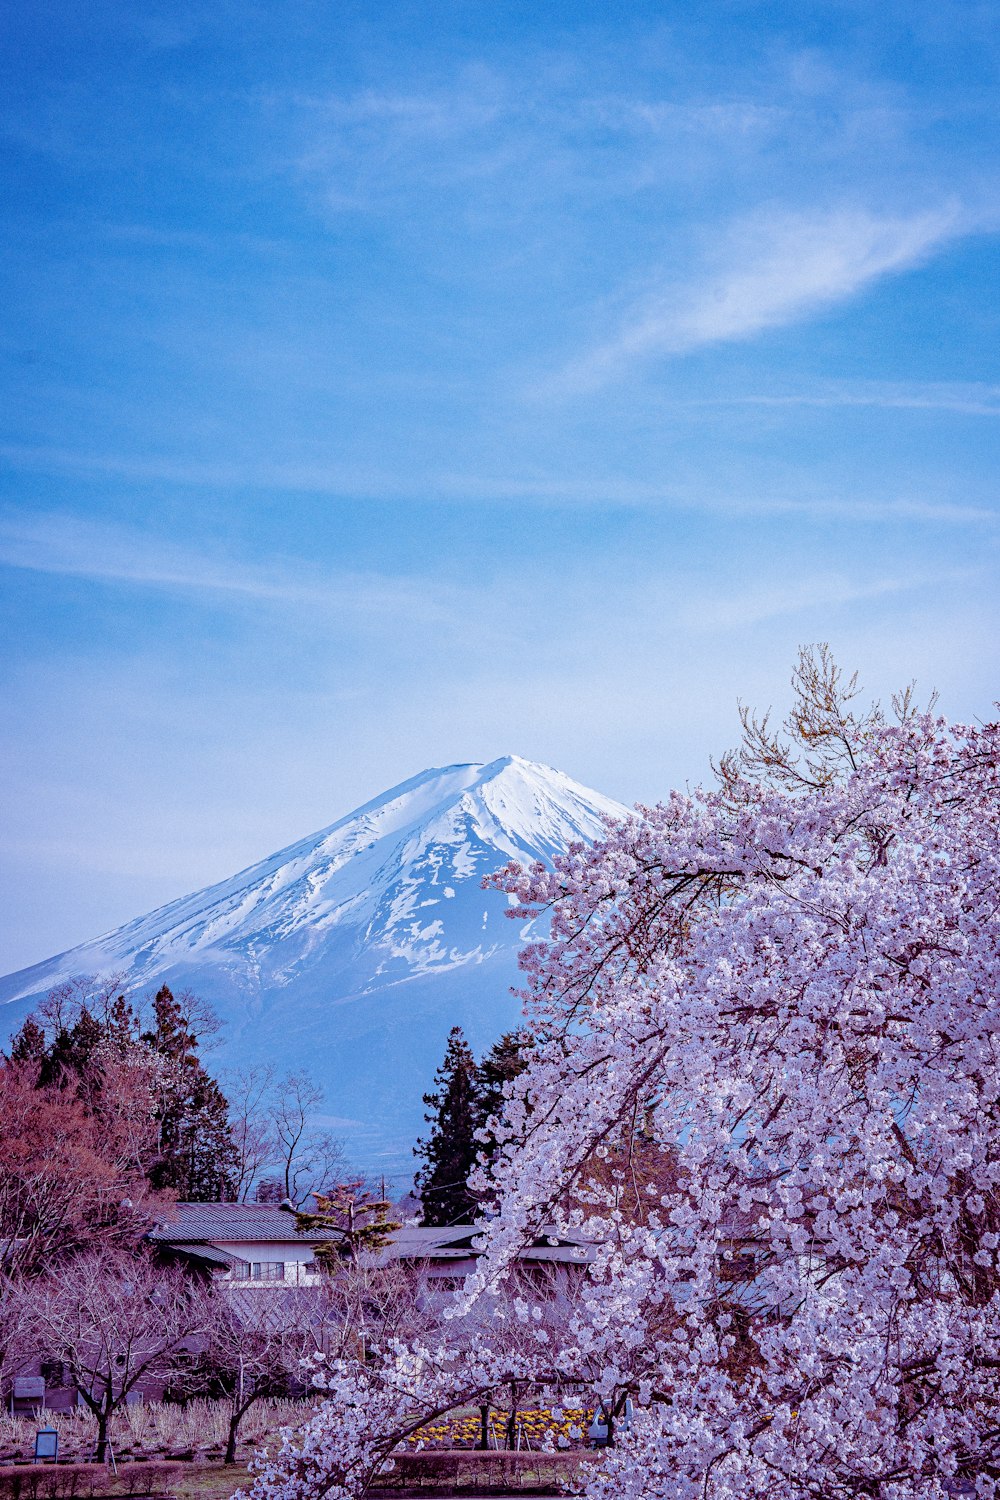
28, 1044
68, 1058
198, 1157
358, 1222
450, 1150
506, 1059
121, 1028
121, 1112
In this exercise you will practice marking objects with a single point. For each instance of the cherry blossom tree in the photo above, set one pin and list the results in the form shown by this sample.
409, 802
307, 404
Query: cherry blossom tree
785, 987
369, 1409
427, 1366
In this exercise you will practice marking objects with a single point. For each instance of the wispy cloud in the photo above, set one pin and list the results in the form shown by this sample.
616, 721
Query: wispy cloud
769, 271
367, 148
322, 478
963, 399
826, 592
72, 546
560, 129
56, 544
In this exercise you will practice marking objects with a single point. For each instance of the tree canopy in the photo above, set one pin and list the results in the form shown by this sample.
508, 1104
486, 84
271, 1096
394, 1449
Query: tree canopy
100, 1118
460, 1110
451, 1148
197, 1156
786, 983
356, 1219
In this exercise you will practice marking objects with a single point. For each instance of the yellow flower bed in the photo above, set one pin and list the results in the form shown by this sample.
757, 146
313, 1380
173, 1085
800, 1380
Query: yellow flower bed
535, 1425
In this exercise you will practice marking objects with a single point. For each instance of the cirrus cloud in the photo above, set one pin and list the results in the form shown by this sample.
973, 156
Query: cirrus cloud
768, 271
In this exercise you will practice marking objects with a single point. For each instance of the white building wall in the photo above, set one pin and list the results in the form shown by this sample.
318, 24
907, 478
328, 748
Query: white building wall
298, 1260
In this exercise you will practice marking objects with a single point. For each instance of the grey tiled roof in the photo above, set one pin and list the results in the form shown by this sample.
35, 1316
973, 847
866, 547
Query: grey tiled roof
194, 1223
208, 1253
460, 1241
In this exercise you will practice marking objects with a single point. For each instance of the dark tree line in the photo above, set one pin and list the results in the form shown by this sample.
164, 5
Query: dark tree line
95, 1049
108, 1113
466, 1096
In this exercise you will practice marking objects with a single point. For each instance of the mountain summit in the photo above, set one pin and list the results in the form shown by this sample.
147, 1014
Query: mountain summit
352, 952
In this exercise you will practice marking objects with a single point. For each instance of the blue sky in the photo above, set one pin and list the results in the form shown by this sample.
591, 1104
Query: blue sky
387, 385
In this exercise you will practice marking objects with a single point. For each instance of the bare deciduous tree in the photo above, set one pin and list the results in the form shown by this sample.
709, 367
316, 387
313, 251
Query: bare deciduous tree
254, 1344
249, 1093
116, 1321
96, 993
366, 1303
309, 1157
261, 1339
15, 1337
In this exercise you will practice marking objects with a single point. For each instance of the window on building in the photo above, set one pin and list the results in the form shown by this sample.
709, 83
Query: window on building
267, 1270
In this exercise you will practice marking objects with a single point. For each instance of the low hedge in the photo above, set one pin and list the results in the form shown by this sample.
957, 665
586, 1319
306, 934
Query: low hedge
73, 1481
441, 1472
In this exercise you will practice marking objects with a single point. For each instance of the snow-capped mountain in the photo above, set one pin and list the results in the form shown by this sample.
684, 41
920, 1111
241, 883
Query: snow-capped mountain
352, 952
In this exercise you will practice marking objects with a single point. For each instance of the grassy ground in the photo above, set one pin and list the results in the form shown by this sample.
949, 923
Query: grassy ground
153, 1430
207, 1481
164, 1434
450, 1475
72, 1481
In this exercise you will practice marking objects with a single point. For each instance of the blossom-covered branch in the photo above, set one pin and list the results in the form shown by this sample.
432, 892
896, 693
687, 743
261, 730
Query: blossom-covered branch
765, 1085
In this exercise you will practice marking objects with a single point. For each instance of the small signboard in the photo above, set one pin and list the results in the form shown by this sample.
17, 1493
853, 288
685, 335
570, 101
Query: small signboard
29, 1388
46, 1443
598, 1429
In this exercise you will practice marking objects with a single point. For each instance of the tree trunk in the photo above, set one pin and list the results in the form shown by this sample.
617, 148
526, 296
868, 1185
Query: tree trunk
484, 1426
512, 1421
235, 1418
101, 1453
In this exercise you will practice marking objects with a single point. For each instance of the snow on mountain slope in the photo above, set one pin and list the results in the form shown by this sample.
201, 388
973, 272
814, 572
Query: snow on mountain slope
352, 952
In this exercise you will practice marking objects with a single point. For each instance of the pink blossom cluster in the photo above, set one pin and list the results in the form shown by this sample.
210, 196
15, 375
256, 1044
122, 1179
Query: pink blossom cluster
786, 989
795, 986
371, 1405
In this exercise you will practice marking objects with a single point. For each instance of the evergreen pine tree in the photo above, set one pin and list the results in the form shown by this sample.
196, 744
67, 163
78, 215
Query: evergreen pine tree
28, 1044
358, 1223
68, 1058
121, 1028
172, 1034
78, 1044
450, 1151
504, 1061
198, 1157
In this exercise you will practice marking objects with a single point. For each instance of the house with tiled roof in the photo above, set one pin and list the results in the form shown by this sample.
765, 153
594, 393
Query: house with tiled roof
248, 1243
243, 1242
